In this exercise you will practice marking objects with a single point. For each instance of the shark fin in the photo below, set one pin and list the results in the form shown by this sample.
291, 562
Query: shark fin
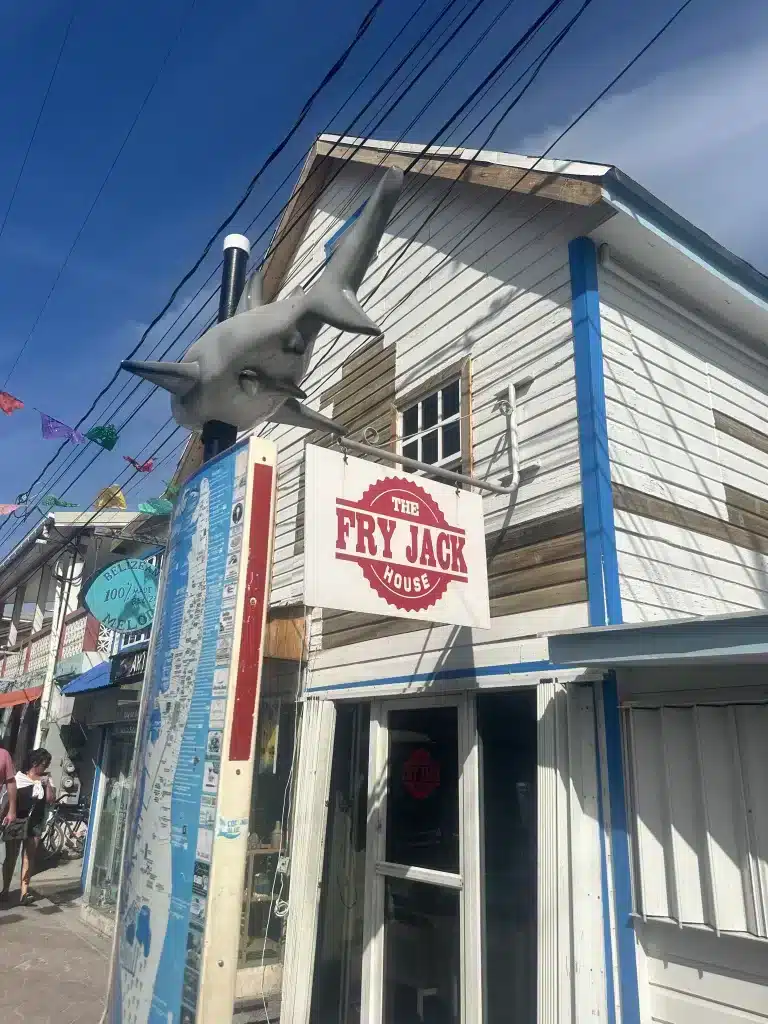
333, 299
269, 383
252, 295
294, 414
178, 378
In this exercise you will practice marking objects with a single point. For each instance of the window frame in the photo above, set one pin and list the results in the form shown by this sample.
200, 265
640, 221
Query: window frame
460, 461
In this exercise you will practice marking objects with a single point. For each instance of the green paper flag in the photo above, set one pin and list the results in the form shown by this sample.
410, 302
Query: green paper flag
171, 491
156, 507
51, 501
105, 436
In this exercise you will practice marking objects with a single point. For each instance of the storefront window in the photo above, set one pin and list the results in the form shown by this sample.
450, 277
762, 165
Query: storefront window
262, 938
107, 855
507, 728
336, 991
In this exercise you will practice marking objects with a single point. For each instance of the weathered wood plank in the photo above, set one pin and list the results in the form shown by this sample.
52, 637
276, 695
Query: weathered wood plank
285, 634
746, 511
627, 499
742, 432
528, 182
537, 577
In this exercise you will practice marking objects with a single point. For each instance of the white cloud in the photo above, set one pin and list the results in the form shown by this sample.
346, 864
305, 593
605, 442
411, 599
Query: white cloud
697, 137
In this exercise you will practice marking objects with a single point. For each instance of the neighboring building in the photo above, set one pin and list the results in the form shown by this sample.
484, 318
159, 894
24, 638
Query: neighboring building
72, 684
48, 637
637, 346
106, 705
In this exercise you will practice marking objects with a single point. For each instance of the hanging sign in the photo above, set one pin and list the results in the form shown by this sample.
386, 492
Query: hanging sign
123, 595
384, 542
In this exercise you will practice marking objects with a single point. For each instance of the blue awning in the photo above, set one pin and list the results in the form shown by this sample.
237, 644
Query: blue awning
95, 678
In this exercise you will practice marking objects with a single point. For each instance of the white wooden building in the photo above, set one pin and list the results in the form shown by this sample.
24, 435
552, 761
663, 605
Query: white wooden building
596, 847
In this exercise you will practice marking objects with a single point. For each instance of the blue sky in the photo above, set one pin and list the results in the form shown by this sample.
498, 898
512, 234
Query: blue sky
688, 122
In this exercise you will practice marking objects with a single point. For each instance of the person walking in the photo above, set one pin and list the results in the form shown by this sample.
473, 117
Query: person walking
33, 792
7, 787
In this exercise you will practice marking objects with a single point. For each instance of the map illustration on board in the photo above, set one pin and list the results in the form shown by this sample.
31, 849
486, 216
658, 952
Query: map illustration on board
166, 869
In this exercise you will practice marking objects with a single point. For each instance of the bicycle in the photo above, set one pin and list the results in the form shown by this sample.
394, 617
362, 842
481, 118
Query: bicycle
66, 830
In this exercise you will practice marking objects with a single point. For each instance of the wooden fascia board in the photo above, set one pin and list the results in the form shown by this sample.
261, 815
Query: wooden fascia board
294, 221
576, 191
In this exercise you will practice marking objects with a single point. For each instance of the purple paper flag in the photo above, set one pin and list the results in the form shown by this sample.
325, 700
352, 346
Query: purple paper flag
54, 429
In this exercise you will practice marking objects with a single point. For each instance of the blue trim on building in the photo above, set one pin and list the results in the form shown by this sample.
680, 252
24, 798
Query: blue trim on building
92, 813
622, 878
607, 940
333, 241
516, 668
626, 195
599, 532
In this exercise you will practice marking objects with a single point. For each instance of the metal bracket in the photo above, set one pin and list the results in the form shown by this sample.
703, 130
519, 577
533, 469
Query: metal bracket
508, 408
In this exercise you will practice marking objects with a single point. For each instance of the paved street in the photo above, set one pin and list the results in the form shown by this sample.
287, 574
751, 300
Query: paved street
52, 968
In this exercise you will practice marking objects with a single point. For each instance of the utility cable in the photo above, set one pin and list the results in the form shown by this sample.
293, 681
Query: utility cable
328, 77
445, 9
142, 106
40, 113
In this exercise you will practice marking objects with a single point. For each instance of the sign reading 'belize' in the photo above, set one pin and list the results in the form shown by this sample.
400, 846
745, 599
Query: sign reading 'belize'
383, 542
123, 595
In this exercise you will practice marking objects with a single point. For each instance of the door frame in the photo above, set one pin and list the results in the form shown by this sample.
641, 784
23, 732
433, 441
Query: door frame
469, 880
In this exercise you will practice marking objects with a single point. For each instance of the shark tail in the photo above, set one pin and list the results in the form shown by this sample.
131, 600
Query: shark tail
333, 299
178, 378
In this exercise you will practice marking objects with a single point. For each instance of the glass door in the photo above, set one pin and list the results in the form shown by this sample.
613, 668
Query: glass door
422, 958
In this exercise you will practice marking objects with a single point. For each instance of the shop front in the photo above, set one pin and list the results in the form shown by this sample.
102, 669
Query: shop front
457, 840
110, 718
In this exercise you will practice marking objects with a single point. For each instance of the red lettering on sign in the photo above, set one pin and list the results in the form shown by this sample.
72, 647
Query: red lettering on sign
400, 538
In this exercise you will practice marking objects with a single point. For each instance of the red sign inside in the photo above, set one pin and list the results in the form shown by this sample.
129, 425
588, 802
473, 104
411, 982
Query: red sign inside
401, 540
421, 774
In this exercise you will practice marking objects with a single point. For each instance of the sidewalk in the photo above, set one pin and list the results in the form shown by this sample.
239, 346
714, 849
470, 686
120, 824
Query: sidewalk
52, 968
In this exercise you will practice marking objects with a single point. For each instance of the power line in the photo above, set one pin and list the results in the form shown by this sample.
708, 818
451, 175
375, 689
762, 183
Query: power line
184, 17
447, 256
488, 78
327, 78
413, 48
40, 113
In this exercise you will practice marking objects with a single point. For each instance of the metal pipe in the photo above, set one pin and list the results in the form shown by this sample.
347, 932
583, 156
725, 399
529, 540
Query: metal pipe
218, 436
509, 408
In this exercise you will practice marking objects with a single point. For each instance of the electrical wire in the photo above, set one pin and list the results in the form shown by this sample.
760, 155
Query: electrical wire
409, 85
40, 113
526, 173
142, 106
328, 77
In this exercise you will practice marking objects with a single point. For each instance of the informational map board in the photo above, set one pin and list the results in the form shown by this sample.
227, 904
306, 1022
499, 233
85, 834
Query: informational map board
178, 924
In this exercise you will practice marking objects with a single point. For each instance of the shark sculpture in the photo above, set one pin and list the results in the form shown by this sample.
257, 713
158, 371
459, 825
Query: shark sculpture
247, 369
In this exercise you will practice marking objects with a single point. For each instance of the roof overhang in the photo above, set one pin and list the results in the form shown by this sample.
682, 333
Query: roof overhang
703, 261
727, 639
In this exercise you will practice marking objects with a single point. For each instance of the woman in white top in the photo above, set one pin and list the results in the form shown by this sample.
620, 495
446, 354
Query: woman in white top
33, 792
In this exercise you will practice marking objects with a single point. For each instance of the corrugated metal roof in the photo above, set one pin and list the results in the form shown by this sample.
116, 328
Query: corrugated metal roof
96, 678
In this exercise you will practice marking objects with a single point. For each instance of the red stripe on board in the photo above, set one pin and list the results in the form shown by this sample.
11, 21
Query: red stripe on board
255, 599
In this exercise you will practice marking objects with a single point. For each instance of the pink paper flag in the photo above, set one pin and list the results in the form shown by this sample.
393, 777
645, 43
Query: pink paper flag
5, 510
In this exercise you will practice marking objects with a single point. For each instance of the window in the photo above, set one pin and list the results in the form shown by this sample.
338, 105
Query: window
699, 816
431, 428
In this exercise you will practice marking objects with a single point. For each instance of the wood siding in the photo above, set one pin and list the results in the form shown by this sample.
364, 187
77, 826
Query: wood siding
538, 565
476, 282
687, 425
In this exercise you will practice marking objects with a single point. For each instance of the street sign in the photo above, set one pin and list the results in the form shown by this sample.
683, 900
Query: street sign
178, 921
123, 595
385, 542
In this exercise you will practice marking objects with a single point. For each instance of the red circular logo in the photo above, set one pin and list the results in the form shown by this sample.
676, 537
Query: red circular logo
403, 543
421, 774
